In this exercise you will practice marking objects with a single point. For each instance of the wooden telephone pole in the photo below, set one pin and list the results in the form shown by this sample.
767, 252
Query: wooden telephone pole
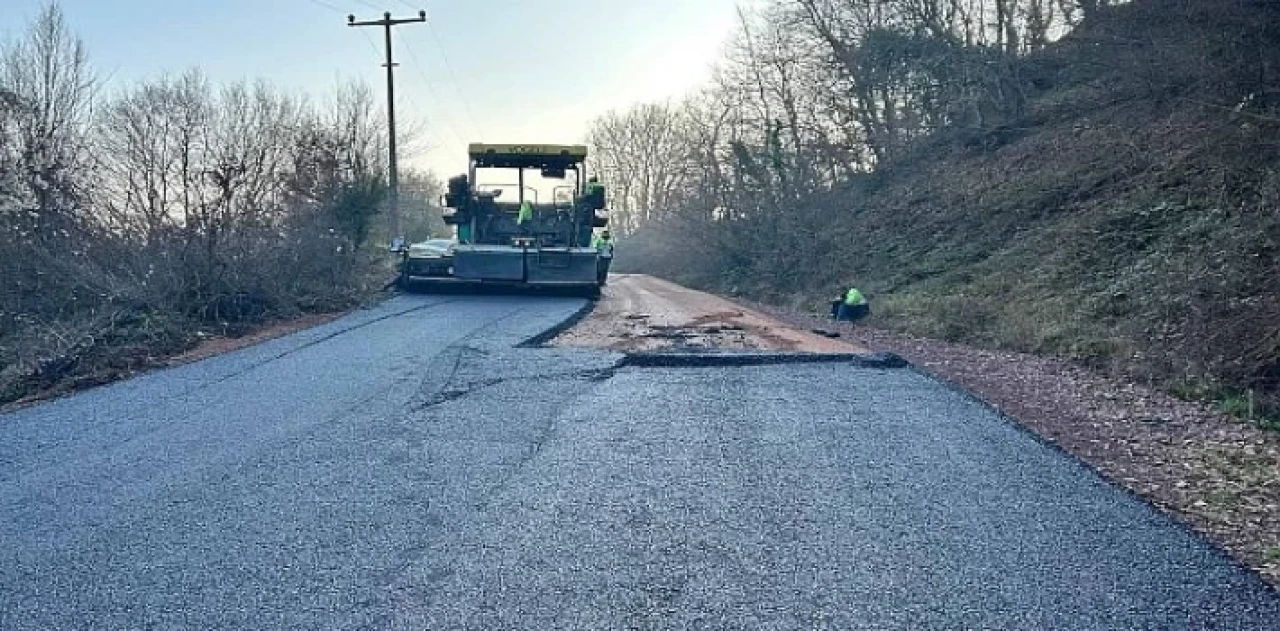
393, 178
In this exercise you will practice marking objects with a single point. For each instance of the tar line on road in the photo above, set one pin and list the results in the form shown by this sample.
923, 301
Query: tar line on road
418, 466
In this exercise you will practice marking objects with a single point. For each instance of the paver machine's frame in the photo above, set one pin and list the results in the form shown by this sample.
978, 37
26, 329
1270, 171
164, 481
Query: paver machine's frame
550, 249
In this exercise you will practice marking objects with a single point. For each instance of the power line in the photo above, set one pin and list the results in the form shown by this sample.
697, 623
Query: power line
376, 7
369, 38
393, 178
450, 124
402, 99
406, 101
453, 78
322, 3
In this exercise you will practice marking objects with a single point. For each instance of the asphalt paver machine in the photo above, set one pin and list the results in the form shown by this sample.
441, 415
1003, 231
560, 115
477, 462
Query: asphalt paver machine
545, 245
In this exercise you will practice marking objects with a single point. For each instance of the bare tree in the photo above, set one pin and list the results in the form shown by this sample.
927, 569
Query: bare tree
420, 193
46, 92
641, 154
172, 203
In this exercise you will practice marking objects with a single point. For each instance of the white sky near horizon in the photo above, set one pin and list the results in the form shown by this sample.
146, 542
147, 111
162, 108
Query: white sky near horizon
526, 71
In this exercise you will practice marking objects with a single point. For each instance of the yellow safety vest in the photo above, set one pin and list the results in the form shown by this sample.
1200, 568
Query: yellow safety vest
526, 213
853, 297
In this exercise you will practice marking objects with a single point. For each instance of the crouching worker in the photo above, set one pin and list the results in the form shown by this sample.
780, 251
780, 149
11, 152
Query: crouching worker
850, 307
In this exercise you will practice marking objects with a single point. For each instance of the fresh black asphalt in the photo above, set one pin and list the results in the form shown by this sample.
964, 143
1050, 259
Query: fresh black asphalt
412, 467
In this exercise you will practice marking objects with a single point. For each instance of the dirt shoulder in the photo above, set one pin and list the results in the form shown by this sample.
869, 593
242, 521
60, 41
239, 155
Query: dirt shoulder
209, 345
638, 313
1216, 473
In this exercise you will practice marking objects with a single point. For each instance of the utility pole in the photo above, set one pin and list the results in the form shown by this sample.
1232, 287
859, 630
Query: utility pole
393, 178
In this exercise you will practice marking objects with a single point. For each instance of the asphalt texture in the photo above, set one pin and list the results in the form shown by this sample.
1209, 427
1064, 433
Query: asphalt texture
412, 467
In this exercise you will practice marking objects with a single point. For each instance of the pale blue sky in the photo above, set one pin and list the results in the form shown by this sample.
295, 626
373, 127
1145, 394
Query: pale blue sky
526, 70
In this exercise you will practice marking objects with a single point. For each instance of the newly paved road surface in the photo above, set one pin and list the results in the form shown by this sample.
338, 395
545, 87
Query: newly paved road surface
407, 467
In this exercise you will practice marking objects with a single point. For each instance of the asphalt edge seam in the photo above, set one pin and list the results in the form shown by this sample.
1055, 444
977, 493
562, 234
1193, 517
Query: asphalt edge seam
877, 361
540, 340
1079, 461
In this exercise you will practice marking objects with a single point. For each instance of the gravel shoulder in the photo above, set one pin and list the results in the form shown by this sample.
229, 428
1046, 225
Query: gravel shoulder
639, 313
1216, 473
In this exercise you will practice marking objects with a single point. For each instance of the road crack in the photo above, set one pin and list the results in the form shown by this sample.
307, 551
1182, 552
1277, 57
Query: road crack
452, 393
311, 344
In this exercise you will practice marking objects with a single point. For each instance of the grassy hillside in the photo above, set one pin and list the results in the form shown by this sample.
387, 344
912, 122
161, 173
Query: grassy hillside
1131, 218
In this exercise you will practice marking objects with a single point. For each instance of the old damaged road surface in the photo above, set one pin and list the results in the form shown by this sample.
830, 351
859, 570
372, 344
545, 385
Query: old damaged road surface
409, 467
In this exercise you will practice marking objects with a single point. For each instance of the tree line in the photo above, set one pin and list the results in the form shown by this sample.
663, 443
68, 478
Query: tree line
813, 93
1076, 177
132, 216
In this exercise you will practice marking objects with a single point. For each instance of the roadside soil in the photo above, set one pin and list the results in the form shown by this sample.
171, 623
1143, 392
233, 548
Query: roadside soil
210, 344
638, 313
1216, 473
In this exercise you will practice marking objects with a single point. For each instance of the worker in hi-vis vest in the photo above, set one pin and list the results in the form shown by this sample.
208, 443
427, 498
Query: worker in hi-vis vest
603, 243
524, 217
594, 186
851, 306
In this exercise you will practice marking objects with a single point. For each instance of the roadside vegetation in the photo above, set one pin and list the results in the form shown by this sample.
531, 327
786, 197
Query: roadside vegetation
1089, 179
136, 220
1063, 206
